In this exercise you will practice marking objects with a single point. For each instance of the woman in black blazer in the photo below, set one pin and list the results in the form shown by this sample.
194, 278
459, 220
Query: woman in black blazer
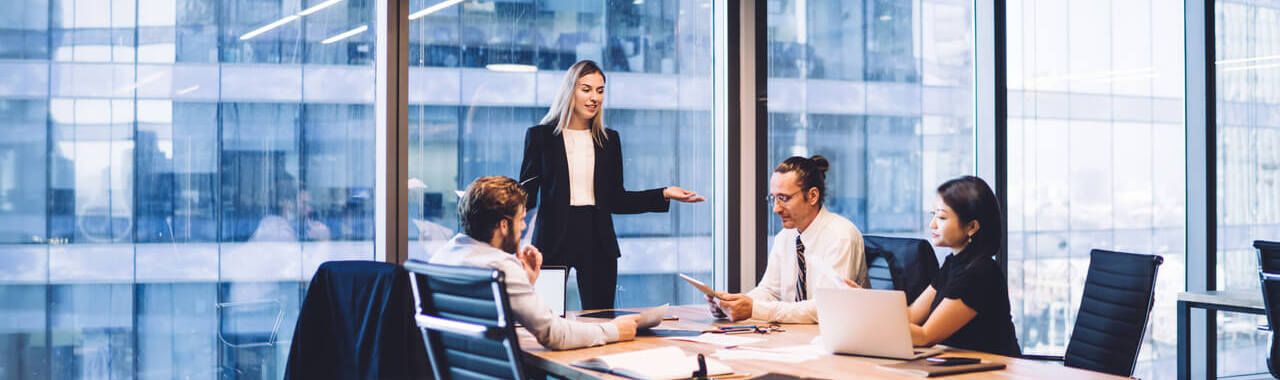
573, 166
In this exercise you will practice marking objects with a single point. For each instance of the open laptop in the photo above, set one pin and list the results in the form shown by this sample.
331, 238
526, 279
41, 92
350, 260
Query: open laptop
551, 287
867, 322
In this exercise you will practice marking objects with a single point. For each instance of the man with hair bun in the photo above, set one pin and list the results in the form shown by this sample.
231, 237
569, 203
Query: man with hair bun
491, 214
810, 235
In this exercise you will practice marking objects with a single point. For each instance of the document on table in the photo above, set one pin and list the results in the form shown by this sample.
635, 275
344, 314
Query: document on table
723, 340
652, 318
640, 364
774, 354
789, 354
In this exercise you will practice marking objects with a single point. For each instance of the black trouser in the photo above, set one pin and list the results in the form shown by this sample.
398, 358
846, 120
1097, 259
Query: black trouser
597, 267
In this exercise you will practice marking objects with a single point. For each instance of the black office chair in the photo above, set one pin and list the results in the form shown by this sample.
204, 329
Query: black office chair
904, 264
466, 324
357, 322
1269, 274
1119, 291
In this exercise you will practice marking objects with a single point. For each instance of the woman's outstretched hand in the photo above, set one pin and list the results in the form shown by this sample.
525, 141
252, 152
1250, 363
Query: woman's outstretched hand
682, 195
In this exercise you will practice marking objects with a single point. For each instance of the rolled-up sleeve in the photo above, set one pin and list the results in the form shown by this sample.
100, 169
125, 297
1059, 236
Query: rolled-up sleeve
785, 312
549, 329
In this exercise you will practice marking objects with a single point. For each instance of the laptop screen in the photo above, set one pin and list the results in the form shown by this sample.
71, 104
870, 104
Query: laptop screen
551, 287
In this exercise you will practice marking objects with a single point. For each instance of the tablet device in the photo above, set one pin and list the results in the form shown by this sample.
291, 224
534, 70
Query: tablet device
607, 314
551, 287
701, 286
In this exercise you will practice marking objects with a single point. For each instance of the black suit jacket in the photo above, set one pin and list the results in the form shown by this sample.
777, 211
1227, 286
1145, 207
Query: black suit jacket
546, 170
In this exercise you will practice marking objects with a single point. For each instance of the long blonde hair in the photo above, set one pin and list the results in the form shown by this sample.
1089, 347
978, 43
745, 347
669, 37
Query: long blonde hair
562, 107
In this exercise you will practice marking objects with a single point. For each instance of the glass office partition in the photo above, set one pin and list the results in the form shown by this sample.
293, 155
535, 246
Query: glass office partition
481, 73
884, 91
171, 174
1096, 160
1247, 43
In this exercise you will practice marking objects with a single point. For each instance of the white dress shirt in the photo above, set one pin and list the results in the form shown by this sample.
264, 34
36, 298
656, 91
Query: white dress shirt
580, 151
549, 329
829, 240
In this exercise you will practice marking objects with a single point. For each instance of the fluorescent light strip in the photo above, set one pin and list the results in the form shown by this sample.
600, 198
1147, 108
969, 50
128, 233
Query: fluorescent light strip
268, 27
344, 35
1243, 60
1270, 66
511, 67
288, 19
432, 9
188, 90
140, 83
318, 7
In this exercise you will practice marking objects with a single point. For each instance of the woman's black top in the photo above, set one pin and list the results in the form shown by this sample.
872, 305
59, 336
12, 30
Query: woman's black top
976, 280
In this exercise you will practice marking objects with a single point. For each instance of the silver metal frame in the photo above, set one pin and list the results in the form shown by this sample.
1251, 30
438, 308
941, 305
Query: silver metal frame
1201, 174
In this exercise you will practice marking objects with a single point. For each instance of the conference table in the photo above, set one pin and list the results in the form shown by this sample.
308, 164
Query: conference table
1249, 302
827, 366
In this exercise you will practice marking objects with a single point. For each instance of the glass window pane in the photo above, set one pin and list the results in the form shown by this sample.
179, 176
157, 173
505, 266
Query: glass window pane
1095, 160
883, 90
173, 172
1248, 155
468, 117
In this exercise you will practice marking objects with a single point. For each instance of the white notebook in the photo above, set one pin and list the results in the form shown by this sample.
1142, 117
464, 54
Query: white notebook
640, 364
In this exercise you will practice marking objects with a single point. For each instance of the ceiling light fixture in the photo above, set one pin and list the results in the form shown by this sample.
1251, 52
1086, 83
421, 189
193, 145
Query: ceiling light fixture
288, 19
1243, 60
511, 68
268, 27
318, 7
344, 35
432, 9
1252, 67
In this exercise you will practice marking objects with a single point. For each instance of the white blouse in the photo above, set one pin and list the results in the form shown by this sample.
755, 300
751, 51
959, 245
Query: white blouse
580, 151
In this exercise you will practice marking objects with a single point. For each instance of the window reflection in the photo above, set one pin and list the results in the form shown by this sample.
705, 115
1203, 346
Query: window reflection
864, 84
1248, 180
1096, 159
467, 118
166, 187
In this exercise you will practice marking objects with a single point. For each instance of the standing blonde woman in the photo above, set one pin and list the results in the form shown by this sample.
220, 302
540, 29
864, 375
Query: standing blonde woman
573, 166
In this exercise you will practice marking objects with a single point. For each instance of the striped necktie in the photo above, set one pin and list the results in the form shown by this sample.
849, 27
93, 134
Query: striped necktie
801, 290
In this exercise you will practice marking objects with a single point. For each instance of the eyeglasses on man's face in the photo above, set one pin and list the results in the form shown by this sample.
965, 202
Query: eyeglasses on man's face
783, 198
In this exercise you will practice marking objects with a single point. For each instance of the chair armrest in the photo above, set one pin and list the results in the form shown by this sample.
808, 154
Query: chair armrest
1056, 358
1264, 327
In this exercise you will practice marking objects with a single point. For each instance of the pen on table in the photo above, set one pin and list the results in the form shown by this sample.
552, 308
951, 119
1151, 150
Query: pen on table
733, 376
741, 347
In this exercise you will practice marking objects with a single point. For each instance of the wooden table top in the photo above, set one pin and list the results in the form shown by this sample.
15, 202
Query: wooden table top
1236, 298
696, 317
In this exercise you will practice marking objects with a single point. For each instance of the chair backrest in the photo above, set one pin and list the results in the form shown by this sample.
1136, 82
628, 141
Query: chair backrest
465, 318
904, 264
1118, 295
1269, 274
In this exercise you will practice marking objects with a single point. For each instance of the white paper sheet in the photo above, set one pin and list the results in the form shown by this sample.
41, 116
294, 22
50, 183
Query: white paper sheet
723, 340
751, 354
652, 318
675, 364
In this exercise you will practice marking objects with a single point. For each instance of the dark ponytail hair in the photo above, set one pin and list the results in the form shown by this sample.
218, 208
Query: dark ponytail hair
810, 172
972, 199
